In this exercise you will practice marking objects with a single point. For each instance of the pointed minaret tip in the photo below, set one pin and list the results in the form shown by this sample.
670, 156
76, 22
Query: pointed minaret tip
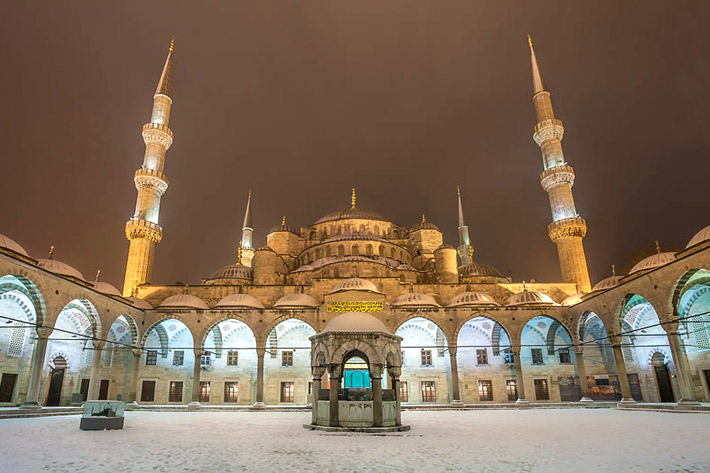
538, 82
247, 213
283, 220
172, 43
423, 218
462, 222
98, 274
613, 270
166, 77
658, 247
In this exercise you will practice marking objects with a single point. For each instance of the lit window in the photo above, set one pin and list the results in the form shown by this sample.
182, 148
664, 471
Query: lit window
482, 356
536, 354
485, 390
428, 391
206, 359
151, 357
175, 394
403, 391
232, 358
541, 391
511, 389
426, 358
565, 356
178, 358
287, 392
286, 358
205, 389
231, 391
310, 387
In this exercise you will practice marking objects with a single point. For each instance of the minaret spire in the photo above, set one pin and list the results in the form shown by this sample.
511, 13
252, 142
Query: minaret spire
246, 249
142, 229
465, 255
567, 229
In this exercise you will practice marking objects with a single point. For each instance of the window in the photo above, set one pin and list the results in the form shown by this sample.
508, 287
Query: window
508, 356
287, 392
17, 340
7, 386
231, 391
403, 391
537, 356
485, 390
232, 358
178, 358
482, 356
310, 387
428, 391
147, 391
205, 391
426, 358
287, 358
564, 355
541, 391
151, 357
511, 389
175, 393
206, 359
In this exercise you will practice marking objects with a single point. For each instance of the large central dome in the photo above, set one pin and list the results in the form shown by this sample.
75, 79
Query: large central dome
351, 213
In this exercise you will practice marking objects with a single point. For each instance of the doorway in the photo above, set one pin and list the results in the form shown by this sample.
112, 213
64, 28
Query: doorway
663, 377
56, 381
103, 390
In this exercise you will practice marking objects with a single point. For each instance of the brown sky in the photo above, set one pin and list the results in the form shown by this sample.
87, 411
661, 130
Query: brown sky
402, 99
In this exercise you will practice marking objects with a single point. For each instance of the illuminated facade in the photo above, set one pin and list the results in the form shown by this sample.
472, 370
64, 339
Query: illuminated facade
469, 334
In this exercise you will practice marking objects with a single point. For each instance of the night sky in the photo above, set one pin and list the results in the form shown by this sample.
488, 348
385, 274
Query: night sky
402, 99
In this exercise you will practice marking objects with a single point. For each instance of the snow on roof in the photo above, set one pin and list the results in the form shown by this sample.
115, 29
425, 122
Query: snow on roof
12, 245
296, 300
240, 300
184, 300
355, 322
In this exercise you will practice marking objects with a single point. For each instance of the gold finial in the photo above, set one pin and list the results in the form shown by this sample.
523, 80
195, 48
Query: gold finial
172, 44
458, 191
250, 193
524, 286
613, 270
283, 220
530, 41
353, 198
98, 273
51, 252
423, 218
658, 247
470, 253
239, 253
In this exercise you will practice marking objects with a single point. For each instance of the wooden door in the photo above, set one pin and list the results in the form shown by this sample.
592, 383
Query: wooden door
56, 380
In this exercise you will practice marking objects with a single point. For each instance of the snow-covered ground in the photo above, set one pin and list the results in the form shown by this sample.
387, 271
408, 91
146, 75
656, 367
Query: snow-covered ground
535, 440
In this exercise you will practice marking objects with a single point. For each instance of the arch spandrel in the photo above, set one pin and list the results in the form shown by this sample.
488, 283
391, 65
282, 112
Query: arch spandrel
30, 288
210, 322
439, 319
471, 315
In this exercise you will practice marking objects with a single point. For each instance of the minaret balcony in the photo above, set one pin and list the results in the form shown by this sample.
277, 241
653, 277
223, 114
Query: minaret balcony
548, 130
557, 176
139, 228
572, 227
151, 178
157, 133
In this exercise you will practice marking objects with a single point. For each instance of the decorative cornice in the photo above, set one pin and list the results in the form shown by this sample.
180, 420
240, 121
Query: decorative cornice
556, 176
157, 133
143, 229
548, 130
573, 227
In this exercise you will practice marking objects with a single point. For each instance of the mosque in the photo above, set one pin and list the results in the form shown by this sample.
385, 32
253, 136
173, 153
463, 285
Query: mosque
470, 334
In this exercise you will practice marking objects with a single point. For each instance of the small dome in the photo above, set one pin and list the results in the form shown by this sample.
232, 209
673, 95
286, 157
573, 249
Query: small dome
445, 247
607, 283
282, 227
184, 300
233, 271
414, 299
140, 303
701, 236
296, 300
355, 322
573, 299
106, 288
653, 261
12, 245
353, 236
351, 213
355, 284
478, 269
424, 225
240, 300
530, 298
60, 268
471, 298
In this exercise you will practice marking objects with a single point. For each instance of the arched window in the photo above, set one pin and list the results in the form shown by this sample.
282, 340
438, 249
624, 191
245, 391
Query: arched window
355, 250
393, 254
327, 251
341, 250
368, 250
318, 253
377, 230
362, 229
401, 257
346, 228
382, 250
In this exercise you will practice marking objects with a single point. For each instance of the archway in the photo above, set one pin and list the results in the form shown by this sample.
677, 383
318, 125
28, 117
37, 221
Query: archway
56, 380
663, 378
599, 361
287, 369
693, 310
117, 358
167, 362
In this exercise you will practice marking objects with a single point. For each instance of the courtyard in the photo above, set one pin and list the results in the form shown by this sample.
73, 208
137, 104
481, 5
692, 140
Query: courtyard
535, 440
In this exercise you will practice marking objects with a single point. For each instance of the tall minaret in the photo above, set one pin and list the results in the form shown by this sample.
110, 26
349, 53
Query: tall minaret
142, 230
464, 240
247, 248
567, 228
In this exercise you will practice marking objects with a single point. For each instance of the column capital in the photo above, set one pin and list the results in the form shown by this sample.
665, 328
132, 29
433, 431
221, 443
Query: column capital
137, 352
198, 352
44, 332
452, 350
260, 352
98, 344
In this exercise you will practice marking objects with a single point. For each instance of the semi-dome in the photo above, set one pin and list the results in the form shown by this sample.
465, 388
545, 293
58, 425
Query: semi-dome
296, 300
573, 299
607, 283
60, 268
653, 261
415, 299
351, 213
355, 322
233, 271
140, 303
472, 298
106, 288
355, 284
478, 269
184, 300
701, 236
240, 300
361, 236
10, 244
530, 298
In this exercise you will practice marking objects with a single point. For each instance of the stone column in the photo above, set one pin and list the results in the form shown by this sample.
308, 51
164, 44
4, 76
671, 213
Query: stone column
682, 370
582, 372
196, 367
133, 393
32, 399
259, 404
455, 389
519, 380
626, 397
317, 376
334, 419
94, 381
376, 381
395, 374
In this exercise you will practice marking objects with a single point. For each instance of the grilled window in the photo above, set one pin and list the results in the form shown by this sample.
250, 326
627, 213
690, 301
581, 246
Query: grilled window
178, 358
232, 358
147, 390
485, 390
511, 389
287, 358
231, 391
205, 388
175, 394
536, 354
482, 356
404, 391
564, 355
426, 358
541, 391
206, 359
151, 357
508, 356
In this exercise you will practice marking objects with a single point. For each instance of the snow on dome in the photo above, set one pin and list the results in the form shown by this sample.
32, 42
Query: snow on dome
354, 236
184, 300
530, 298
240, 300
653, 261
607, 283
140, 303
106, 288
296, 300
355, 322
233, 271
414, 299
478, 269
701, 236
573, 299
60, 268
351, 213
12, 245
472, 298
355, 284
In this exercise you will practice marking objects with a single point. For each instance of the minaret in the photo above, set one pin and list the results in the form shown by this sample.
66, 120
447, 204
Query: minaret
464, 240
142, 230
567, 228
246, 246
